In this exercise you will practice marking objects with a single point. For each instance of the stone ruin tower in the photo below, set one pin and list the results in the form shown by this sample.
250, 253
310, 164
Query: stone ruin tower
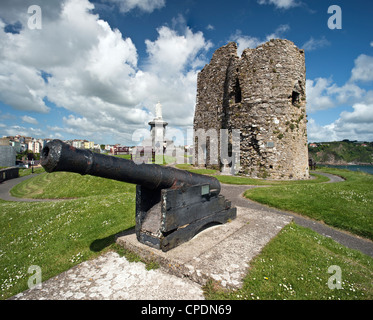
261, 93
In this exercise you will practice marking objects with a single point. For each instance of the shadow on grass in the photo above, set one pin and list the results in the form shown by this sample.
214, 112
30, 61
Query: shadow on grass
100, 244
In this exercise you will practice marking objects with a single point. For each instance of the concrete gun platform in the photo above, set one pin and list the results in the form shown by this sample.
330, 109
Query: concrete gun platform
112, 277
221, 252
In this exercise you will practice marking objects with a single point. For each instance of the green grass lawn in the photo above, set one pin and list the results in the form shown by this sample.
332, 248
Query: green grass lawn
62, 185
190, 168
228, 179
159, 159
60, 234
316, 178
27, 172
294, 266
347, 205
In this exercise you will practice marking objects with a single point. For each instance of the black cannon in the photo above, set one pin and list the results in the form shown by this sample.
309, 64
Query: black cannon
172, 205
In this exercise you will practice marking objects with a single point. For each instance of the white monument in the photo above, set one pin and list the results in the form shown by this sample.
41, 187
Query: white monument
158, 111
158, 128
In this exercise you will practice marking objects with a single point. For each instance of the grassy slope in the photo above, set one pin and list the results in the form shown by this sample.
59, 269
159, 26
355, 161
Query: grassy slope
60, 185
58, 235
346, 205
294, 265
261, 182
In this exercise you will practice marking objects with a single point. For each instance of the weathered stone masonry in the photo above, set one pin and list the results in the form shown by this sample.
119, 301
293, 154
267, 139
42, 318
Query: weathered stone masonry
261, 93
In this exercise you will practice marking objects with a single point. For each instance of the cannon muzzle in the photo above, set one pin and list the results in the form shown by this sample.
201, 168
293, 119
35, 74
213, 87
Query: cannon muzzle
59, 156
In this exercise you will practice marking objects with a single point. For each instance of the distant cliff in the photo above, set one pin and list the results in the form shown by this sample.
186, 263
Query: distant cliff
341, 152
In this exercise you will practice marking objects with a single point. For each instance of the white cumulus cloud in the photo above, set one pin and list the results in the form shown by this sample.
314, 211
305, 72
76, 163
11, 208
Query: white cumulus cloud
170, 75
281, 4
317, 97
92, 72
245, 41
355, 124
362, 113
363, 69
323, 94
313, 44
29, 119
143, 5
171, 53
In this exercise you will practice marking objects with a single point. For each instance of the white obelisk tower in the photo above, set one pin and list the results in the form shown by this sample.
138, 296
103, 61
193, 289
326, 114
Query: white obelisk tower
158, 128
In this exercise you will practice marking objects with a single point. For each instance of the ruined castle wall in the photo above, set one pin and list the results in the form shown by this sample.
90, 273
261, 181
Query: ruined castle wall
211, 93
262, 94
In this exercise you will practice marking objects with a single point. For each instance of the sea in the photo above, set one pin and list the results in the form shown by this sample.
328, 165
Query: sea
367, 169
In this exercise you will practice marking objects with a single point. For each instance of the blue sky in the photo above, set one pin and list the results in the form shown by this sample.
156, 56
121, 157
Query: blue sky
95, 69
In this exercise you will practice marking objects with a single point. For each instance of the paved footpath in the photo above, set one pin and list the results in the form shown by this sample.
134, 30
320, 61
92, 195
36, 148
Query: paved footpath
7, 185
235, 192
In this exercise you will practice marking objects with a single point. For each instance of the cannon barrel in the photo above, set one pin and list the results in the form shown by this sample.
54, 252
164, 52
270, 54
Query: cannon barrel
59, 156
